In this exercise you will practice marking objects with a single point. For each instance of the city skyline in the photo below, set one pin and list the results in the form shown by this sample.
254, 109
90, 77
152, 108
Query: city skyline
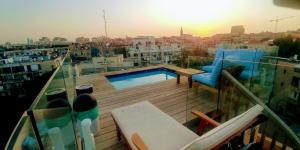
34, 19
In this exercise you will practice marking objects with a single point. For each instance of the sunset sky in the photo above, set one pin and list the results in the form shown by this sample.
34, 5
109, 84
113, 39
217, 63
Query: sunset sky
21, 19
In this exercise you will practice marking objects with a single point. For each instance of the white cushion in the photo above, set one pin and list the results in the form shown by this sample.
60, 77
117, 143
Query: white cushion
219, 134
158, 130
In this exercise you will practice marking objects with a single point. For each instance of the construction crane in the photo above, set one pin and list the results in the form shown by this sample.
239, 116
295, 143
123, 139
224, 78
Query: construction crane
104, 23
279, 19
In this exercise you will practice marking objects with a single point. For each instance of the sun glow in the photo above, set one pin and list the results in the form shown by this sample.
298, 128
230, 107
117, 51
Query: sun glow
205, 14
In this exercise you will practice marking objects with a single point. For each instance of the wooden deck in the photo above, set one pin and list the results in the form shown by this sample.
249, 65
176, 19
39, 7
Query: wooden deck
173, 99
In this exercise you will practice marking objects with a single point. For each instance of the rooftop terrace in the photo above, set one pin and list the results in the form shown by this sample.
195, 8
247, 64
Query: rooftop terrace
231, 98
167, 95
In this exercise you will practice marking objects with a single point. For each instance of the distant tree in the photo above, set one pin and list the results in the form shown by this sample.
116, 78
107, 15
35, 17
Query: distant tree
199, 52
181, 61
288, 46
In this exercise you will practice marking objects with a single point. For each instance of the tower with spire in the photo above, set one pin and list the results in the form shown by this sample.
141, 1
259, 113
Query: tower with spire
181, 31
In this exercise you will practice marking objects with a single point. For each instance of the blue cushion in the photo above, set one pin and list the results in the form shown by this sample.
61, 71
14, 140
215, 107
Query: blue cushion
246, 74
203, 78
230, 60
229, 53
251, 59
248, 58
217, 70
246, 54
226, 63
259, 54
219, 53
210, 79
218, 56
255, 65
246, 63
208, 68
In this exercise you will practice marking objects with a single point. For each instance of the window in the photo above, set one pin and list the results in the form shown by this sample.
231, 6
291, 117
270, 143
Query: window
297, 69
295, 81
295, 95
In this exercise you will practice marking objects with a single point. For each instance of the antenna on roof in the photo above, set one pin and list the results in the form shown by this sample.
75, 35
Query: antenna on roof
104, 23
276, 20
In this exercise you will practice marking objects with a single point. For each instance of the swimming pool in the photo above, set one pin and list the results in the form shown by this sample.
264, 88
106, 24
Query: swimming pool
131, 79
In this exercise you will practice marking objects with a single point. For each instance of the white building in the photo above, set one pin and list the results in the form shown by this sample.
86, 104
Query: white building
101, 64
237, 29
29, 55
30, 41
147, 49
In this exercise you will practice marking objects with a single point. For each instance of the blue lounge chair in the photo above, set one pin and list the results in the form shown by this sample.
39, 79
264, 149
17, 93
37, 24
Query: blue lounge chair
208, 81
210, 78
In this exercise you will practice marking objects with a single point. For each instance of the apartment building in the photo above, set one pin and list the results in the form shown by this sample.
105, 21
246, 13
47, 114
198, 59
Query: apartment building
286, 89
25, 65
148, 49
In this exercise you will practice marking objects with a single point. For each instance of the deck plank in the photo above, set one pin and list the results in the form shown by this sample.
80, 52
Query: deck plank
173, 99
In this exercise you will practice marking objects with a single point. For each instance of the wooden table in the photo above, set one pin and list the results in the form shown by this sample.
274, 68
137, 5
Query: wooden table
188, 73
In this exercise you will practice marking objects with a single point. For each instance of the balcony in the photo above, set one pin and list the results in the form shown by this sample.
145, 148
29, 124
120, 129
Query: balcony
232, 97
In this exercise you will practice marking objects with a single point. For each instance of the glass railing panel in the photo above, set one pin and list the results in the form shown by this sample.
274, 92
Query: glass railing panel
117, 62
69, 73
54, 86
284, 100
273, 132
199, 97
201, 100
23, 137
51, 112
231, 102
261, 85
270, 134
276, 84
258, 76
273, 84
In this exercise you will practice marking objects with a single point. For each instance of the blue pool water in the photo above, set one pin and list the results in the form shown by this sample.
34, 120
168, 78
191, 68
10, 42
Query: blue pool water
122, 81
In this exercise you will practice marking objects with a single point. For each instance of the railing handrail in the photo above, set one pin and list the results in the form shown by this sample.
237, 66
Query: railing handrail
16, 131
276, 57
267, 111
